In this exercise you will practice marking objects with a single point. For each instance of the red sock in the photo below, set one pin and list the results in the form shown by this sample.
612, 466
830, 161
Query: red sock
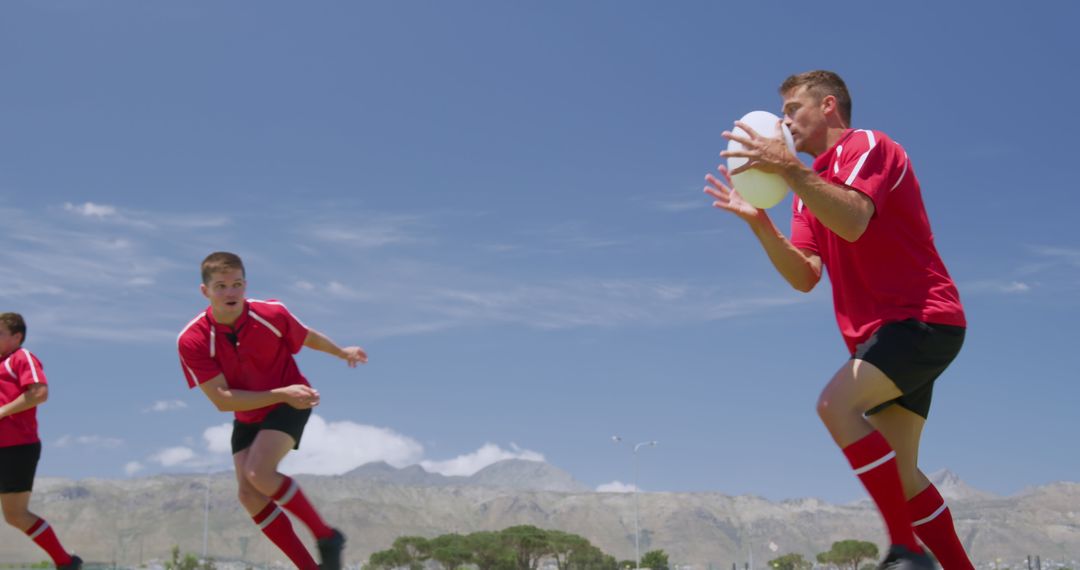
292, 498
934, 525
274, 523
874, 461
42, 534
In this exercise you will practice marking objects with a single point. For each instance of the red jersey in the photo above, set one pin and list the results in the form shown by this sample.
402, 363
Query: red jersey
20, 370
255, 353
893, 271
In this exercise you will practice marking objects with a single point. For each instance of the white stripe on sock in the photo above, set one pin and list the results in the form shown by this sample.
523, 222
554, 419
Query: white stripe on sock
939, 510
878, 463
44, 525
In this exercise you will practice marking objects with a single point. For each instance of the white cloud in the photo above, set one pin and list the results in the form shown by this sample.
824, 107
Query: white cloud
469, 464
166, 406
219, 438
332, 448
1004, 287
173, 456
684, 205
132, 467
91, 210
91, 441
616, 487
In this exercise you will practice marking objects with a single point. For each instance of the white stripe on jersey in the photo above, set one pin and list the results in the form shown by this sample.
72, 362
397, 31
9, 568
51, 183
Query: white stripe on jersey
862, 159
7, 364
30, 361
282, 305
902, 174
201, 316
213, 340
265, 323
836, 163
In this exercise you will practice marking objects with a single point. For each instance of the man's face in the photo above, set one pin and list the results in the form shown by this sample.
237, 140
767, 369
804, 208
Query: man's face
9, 342
804, 115
226, 292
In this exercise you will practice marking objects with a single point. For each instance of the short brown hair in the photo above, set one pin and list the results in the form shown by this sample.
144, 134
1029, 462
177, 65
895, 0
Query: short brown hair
821, 83
220, 261
15, 324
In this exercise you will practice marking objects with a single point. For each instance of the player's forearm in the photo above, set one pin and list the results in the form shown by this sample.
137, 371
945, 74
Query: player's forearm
791, 263
229, 400
25, 401
844, 211
316, 340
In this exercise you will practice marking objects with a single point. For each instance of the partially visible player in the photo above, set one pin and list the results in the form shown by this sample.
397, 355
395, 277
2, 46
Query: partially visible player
240, 352
22, 389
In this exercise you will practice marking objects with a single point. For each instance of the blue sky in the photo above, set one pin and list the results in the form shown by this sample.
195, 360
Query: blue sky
502, 203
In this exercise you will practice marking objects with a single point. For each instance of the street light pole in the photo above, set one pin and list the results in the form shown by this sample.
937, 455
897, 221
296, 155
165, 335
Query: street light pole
637, 526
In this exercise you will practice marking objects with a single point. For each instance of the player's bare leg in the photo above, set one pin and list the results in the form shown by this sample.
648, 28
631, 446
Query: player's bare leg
269, 448
932, 520
16, 507
857, 387
267, 515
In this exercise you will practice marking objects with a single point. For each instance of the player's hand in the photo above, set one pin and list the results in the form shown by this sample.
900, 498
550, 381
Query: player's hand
728, 199
300, 396
354, 355
763, 153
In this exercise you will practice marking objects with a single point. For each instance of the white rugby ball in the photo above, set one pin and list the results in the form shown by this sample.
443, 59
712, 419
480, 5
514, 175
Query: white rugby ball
761, 189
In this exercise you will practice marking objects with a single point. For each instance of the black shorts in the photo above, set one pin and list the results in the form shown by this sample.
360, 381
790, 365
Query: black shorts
18, 464
912, 354
282, 418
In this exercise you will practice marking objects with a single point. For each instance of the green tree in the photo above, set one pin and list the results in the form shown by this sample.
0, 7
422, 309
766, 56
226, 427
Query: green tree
450, 550
592, 558
849, 553
625, 564
563, 545
490, 552
655, 559
790, 562
528, 543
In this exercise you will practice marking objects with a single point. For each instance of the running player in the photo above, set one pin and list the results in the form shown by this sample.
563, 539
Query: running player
240, 352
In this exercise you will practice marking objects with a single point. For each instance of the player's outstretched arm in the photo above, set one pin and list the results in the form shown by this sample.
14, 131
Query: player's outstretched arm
227, 399
799, 268
34, 395
353, 355
843, 210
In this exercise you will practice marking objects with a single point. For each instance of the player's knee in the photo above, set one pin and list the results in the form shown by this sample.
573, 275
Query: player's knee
261, 479
825, 408
248, 495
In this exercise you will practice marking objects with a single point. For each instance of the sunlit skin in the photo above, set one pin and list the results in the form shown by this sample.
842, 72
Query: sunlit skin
225, 291
9, 342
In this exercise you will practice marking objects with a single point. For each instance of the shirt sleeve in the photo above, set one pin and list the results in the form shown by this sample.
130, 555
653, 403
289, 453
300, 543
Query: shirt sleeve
195, 360
26, 368
871, 164
802, 235
294, 332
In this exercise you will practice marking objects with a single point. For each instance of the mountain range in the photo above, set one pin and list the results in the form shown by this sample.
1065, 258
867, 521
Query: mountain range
133, 521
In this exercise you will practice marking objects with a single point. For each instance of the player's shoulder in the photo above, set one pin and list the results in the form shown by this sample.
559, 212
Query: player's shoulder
865, 139
22, 355
195, 331
268, 307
